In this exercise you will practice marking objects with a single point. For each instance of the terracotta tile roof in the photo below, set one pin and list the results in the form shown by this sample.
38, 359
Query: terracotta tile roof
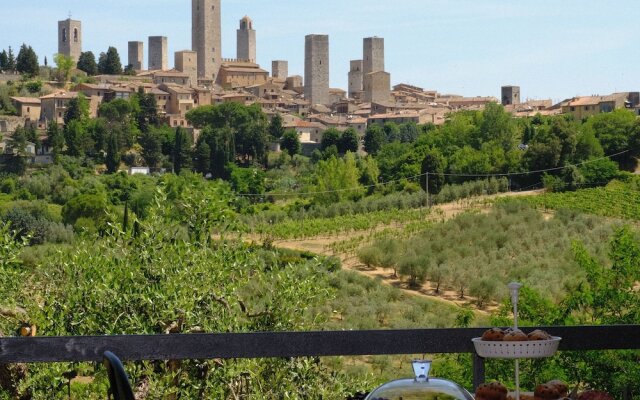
61, 95
27, 100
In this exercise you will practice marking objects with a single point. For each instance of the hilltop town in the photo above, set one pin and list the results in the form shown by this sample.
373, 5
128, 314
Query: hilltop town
202, 76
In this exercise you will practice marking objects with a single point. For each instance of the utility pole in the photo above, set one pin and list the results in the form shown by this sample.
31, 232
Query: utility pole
427, 187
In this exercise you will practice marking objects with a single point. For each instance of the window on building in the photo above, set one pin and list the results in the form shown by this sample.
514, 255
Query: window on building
75, 35
64, 35
573, 108
28, 109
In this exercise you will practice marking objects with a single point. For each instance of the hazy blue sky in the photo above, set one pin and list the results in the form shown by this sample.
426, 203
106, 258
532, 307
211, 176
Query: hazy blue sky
551, 48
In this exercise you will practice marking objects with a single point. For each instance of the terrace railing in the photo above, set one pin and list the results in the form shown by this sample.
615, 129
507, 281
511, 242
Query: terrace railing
296, 344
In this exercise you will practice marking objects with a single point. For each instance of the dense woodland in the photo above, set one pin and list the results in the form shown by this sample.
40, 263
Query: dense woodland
88, 249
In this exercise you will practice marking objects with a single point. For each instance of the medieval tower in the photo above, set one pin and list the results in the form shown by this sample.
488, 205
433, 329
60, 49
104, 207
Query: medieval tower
206, 37
373, 52
510, 95
70, 38
356, 79
158, 53
280, 69
186, 61
136, 55
376, 83
316, 69
246, 40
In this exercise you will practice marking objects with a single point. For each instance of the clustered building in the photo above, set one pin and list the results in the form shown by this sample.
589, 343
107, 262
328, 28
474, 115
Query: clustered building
201, 76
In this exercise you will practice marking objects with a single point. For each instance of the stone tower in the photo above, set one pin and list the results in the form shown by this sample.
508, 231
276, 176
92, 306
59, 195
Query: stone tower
206, 37
246, 40
510, 95
136, 55
373, 52
316, 69
280, 69
158, 53
70, 38
187, 62
356, 76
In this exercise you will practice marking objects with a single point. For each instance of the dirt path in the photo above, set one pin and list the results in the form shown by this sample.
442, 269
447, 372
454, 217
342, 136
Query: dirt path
443, 212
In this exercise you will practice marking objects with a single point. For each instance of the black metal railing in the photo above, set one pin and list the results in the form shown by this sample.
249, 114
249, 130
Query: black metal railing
296, 344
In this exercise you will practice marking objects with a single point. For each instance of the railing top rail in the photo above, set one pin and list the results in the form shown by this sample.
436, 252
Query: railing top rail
291, 344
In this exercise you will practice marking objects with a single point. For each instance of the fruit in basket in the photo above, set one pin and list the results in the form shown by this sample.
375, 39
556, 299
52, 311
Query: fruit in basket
539, 335
493, 335
561, 387
491, 391
515, 335
595, 395
546, 392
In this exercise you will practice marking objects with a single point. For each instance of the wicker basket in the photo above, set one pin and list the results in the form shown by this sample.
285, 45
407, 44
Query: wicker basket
512, 350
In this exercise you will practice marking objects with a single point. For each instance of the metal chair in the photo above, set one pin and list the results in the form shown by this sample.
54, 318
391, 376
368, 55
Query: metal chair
119, 384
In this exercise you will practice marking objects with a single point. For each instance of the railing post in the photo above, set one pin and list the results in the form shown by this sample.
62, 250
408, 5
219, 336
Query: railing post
478, 370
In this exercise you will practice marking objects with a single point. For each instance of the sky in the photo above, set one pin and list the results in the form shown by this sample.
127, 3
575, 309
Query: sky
550, 48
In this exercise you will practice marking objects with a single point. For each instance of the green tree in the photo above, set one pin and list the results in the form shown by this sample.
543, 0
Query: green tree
248, 125
146, 113
109, 62
55, 140
247, 180
89, 206
11, 61
87, 63
433, 164
202, 158
276, 130
77, 110
374, 139
151, 142
330, 137
4, 61
64, 65
75, 135
27, 61
349, 141
409, 132
338, 179
614, 130
391, 131
112, 159
181, 151
17, 161
369, 172
291, 142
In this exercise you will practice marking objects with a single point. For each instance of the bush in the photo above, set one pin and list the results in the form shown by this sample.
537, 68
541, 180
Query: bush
91, 207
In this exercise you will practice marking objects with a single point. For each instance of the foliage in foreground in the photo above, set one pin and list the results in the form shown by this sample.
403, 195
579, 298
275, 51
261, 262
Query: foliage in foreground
170, 279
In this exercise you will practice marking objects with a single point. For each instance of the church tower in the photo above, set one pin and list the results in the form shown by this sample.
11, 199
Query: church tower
206, 37
70, 38
246, 40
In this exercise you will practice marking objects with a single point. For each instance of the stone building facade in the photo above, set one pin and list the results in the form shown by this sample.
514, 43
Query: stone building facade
136, 55
158, 53
316, 69
186, 61
280, 69
510, 95
70, 38
377, 86
206, 37
356, 76
246, 40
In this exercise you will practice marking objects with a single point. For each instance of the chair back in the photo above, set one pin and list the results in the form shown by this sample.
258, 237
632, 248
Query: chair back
119, 384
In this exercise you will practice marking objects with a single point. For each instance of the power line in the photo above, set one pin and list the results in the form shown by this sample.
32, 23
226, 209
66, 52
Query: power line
415, 177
